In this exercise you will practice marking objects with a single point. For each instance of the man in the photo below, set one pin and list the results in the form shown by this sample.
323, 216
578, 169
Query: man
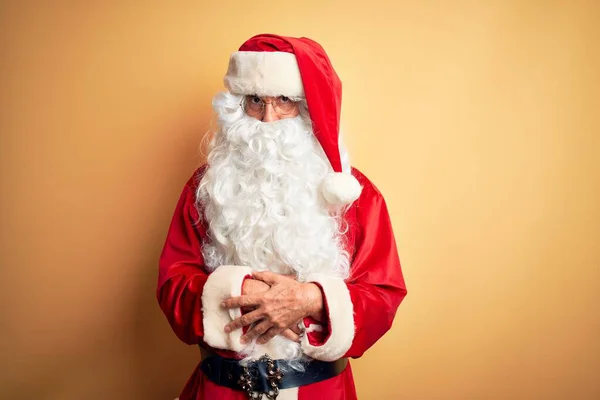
280, 261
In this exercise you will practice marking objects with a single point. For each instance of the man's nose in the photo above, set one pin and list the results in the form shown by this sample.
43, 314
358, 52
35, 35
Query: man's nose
269, 115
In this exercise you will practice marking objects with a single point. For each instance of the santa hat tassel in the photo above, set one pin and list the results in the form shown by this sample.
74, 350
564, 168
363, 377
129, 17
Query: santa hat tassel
340, 188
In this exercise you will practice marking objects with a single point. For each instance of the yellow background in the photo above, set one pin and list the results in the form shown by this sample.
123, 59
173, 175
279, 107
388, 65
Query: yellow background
477, 120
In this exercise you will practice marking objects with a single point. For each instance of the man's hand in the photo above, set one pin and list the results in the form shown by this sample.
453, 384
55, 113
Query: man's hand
285, 304
252, 286
255, 286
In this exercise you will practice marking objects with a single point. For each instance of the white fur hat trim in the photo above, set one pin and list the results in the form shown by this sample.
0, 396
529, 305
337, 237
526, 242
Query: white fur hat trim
264, 73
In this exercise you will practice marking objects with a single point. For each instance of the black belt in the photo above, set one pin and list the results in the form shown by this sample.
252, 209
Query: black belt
266, 375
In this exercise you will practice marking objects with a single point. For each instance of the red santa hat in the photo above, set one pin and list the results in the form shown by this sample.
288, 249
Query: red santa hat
272, 65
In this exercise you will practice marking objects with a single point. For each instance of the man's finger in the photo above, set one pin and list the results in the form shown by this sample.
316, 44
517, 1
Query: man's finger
268, 335
267, 277
290, 334
248, 309
296, 329
241, 301
244, 320
256, 331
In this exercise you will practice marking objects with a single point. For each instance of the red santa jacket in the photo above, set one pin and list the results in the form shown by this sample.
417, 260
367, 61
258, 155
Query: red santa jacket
359, 310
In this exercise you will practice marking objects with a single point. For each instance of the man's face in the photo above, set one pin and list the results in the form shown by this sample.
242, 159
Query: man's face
270, 109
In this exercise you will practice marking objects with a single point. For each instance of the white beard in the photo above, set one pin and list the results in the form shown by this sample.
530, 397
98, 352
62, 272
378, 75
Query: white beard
261, 199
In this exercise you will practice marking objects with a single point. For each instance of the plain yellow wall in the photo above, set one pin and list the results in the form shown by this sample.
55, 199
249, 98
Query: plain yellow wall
478, 120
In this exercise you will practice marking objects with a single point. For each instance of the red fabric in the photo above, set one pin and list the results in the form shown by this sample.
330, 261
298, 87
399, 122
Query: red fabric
376, 286
322, 86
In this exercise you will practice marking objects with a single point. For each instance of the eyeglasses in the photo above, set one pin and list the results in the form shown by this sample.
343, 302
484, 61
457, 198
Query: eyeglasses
255, 106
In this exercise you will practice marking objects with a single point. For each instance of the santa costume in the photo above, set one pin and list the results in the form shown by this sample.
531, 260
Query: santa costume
281, 197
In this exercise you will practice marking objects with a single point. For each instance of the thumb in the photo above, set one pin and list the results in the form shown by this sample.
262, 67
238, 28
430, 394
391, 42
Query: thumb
267, 277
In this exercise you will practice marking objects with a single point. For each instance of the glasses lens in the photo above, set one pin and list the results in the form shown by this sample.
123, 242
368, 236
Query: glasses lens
253, 105
285, 105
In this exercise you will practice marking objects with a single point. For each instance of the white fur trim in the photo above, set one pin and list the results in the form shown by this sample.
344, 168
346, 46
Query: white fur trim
288, 394
264, 73
313, 328
341, 320
340, 188
225, 282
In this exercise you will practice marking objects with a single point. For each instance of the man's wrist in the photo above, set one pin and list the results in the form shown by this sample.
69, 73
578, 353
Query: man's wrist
317, 309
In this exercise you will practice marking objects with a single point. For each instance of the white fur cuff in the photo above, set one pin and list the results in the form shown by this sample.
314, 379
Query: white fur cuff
225, 282
341, 320
264, 73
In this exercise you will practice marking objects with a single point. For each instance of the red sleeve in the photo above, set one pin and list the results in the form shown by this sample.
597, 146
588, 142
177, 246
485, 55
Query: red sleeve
361, 310
376, 283
181, 270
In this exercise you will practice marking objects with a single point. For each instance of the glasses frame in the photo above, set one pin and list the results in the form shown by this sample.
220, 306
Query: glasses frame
264, 103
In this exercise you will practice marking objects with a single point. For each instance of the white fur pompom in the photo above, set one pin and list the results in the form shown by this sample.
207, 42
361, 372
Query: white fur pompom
340, 188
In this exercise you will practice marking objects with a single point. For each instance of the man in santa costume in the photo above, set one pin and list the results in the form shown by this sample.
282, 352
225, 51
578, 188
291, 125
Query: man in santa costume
280, 260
